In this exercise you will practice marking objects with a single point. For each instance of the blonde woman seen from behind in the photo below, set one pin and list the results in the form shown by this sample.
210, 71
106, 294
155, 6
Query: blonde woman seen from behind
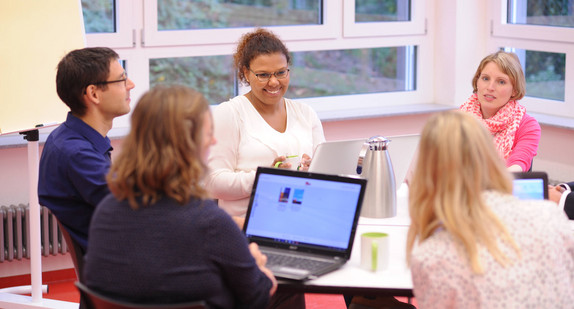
471, 244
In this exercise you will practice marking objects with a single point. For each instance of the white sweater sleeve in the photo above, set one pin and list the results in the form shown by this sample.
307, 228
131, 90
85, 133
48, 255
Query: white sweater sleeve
224, 180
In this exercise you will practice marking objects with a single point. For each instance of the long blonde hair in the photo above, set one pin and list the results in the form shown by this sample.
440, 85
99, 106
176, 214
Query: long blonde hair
456, 163
161, 155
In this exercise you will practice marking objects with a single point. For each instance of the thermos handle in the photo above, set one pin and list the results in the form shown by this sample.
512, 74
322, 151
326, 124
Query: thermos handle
362, 155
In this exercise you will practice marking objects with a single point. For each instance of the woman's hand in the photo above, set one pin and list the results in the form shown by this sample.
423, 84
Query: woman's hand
555, 193
261, 260
305, 162
280, 162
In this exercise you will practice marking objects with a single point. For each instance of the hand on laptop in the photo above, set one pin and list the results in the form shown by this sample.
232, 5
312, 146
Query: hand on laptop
261, 260
305, 162
554, 193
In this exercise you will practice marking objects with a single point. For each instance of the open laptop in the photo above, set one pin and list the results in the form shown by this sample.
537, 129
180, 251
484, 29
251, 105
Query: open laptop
304, 222
530, 185
341, 157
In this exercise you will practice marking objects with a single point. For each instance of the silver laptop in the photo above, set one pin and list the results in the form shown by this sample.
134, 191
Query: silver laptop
341, 157
304, 222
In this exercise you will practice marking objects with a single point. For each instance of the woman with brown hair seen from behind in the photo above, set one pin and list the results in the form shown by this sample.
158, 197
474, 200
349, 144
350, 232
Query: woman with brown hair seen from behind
471, 243
156, 238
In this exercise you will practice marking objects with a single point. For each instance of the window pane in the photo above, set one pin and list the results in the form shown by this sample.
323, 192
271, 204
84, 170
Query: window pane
543, 13
352, 71
211, 75
313, 73
544, 72
209, 14
99, 16
382, 10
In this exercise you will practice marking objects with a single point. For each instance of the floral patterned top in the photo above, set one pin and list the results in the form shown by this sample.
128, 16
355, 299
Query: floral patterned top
543, 277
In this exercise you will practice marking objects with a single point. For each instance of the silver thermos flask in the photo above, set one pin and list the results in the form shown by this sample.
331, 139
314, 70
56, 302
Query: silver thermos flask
375, 165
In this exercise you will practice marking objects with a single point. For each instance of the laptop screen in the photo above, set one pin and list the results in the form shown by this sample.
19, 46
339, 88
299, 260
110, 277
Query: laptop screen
530, 185
302, 208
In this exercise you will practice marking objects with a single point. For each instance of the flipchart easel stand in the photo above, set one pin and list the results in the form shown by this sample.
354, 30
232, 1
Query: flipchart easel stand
16, 301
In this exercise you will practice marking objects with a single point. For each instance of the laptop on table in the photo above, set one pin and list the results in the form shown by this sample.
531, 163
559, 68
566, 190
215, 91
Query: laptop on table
530, 185
304, 222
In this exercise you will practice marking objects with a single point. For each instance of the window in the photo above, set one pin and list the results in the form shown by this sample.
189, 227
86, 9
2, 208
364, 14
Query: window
384, 17
534, 19
558, 13
382, 11
352, 71
313, 73
108, 23
210, 75
192, 42
99, 16
169, 22
544, 72
202, 14
541, 33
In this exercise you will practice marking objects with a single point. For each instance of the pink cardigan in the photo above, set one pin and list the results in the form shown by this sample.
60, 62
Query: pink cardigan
525, 143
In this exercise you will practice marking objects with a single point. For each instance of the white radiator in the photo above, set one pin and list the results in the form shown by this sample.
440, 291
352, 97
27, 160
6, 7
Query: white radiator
15, 233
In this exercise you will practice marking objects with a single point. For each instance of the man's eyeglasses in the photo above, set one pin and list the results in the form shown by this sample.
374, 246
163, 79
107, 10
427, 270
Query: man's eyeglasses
114, 81
265, 77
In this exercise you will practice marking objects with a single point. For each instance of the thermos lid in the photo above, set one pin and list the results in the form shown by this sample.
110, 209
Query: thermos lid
378, 142
374, 143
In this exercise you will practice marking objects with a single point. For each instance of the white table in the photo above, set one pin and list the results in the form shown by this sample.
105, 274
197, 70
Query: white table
352, 279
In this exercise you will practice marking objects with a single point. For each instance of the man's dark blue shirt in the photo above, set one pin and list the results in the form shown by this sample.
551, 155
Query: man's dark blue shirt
72, 180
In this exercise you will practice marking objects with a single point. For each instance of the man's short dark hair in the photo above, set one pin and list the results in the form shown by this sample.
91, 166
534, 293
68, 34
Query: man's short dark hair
79, 69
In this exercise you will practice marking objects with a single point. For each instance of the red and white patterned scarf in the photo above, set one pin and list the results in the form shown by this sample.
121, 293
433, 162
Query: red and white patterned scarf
503, 125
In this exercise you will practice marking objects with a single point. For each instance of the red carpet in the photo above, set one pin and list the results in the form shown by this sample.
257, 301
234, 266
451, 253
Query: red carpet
61, 287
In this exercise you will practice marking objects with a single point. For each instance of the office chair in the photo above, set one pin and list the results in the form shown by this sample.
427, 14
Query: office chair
76, 251
95, 300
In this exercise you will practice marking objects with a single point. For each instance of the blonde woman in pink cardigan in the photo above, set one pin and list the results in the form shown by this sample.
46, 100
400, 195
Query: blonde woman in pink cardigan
498, 84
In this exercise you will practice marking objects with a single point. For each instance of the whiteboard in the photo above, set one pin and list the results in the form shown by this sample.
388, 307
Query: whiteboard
34, 36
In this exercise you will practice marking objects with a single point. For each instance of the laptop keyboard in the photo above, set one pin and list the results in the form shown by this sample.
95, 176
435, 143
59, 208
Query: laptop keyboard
295, 261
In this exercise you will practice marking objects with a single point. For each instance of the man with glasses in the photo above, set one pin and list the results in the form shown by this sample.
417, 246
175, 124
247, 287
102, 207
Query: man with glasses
76, 156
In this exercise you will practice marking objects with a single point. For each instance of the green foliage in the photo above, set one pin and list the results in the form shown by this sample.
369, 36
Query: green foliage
210, 75
198, 14
99, 16
548, 8
545, 66
381, 7
344, 72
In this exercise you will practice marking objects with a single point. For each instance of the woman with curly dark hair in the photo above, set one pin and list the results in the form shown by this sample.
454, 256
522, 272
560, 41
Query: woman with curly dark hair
262, 127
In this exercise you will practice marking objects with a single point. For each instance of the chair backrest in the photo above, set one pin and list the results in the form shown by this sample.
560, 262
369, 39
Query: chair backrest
95, 300
76, 251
